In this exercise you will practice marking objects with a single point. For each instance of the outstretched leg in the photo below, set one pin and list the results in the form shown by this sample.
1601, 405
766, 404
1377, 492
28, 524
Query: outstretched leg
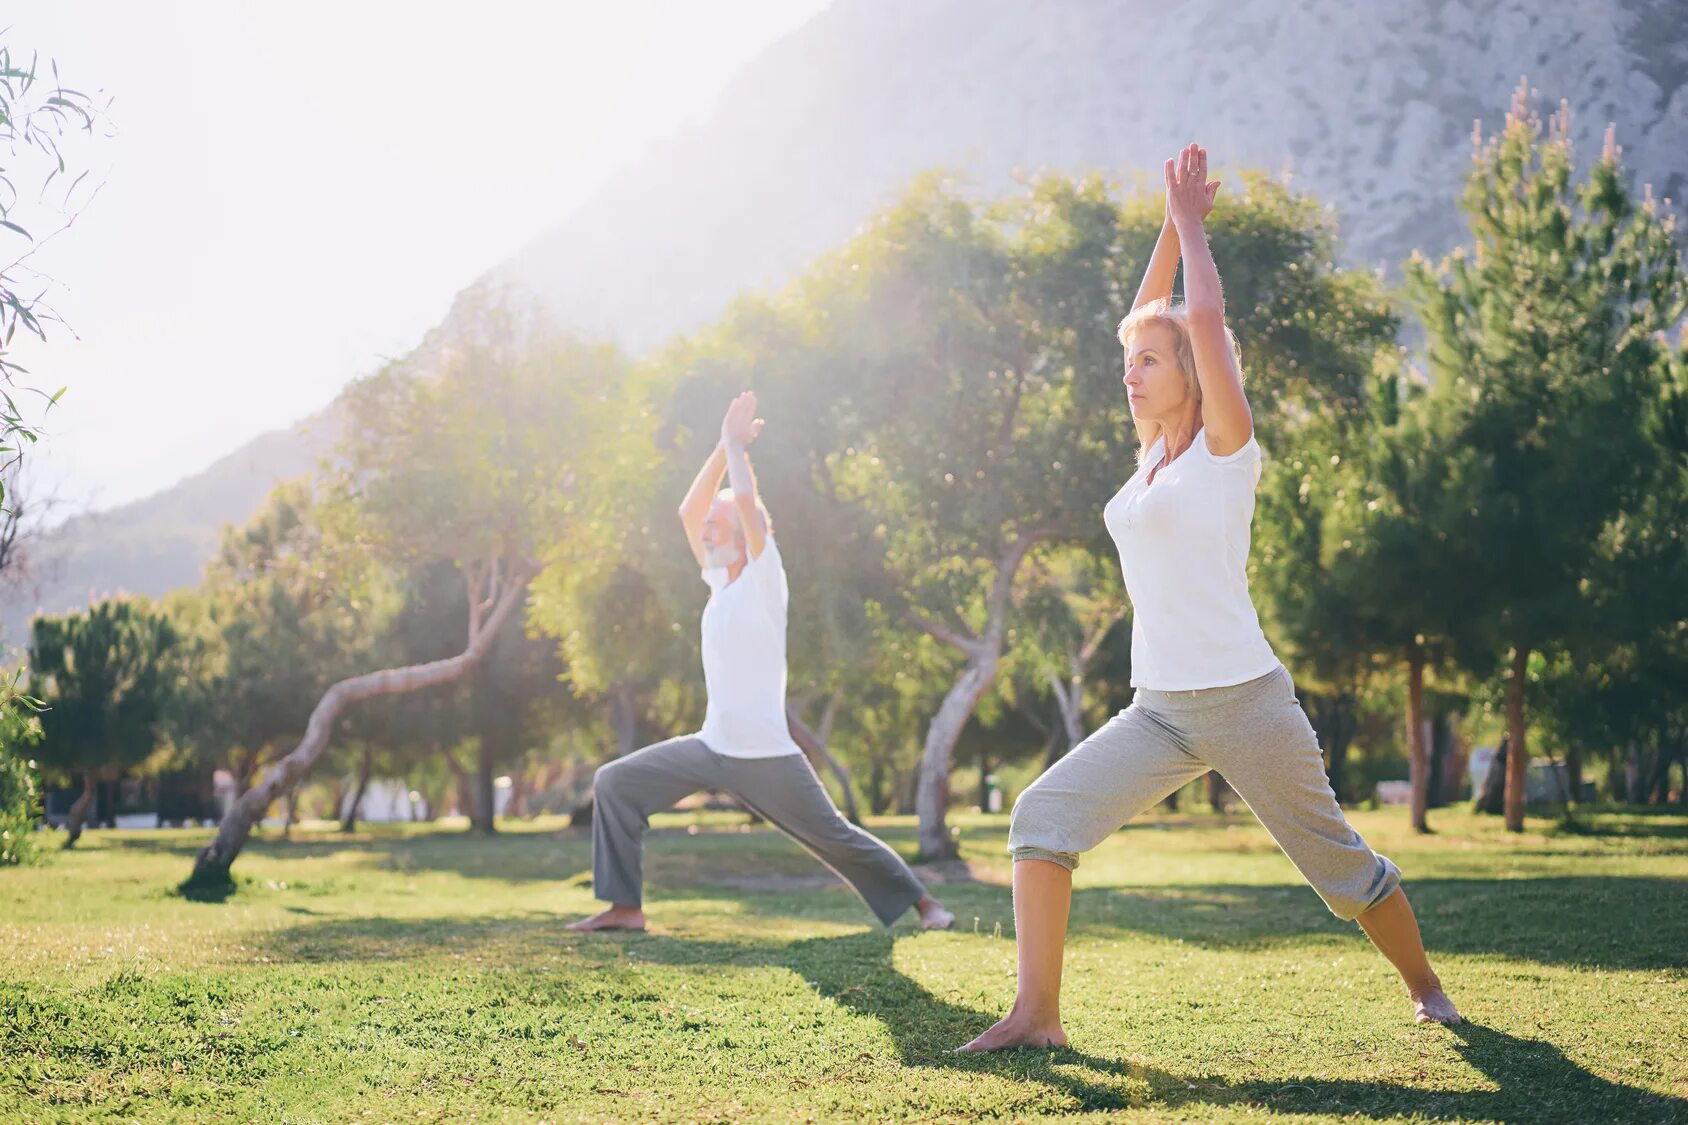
1269, 753
1394, 930
1129, 765
785, 792
624, 795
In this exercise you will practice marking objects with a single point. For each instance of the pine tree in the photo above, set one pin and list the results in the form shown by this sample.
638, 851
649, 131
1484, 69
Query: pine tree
1542, 338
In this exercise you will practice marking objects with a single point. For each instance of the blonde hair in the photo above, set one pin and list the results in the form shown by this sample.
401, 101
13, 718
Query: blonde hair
1176, 318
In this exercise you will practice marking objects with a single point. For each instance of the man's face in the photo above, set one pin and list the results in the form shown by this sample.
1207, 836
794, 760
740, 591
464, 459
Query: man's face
723, 544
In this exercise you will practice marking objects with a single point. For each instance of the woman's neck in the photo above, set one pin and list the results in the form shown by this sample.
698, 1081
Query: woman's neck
1178, 432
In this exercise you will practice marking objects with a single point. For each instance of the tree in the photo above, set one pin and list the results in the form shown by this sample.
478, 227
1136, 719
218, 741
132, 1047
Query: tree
1074, 603
1542, 336
103, 678
37, 120
286, 608
20, 791
501, 446
1618, 692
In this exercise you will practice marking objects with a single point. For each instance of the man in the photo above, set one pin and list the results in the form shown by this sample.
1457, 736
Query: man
745, 746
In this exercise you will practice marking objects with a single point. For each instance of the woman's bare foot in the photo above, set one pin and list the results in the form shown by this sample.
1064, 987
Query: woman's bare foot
1434, 1006
933, 916
1014, 1030
615, 918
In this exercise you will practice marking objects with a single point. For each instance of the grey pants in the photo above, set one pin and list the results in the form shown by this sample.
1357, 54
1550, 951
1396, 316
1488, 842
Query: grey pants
782, 790
1257, 737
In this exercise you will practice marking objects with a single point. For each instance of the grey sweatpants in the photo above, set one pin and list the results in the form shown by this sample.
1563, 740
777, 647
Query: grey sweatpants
1258, 738
782, 790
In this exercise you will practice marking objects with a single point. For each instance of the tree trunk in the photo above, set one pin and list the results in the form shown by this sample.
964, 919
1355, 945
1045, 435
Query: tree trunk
349, 815
1418, 769
624, 719
931, 801
1573, 772
1491, 791
291, 817
463, 782
521, 781
1518, 754
1218, 792
1333, 724
878, 788
1440, 749
815, 747
79, 811
984, 653
482, 812
211, 866
1069, 701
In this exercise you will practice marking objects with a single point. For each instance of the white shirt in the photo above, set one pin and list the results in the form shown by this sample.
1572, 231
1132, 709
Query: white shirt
1183, 545
744, 659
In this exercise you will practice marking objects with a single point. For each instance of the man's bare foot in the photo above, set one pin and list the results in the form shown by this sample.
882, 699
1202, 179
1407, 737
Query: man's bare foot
615, 918
1012, 1031
1434, 1007
933, 916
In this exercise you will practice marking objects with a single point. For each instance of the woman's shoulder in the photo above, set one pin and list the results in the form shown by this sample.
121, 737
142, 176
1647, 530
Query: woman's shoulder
1248, 453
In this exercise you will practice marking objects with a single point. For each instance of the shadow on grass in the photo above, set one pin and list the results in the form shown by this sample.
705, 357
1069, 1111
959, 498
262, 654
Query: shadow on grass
1600, 921
1534, 1080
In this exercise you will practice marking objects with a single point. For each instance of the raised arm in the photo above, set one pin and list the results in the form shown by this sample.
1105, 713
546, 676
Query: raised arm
738, 430
694, 509
1225, 412
1163, 261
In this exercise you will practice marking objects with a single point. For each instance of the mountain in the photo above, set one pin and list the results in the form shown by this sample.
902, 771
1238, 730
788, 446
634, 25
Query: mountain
1369, 107
161, 542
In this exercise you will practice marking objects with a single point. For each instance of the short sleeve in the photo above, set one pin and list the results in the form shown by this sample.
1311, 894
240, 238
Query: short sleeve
766, 573
1249, 454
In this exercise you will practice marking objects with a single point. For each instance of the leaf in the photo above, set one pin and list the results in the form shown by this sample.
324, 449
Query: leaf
13, 226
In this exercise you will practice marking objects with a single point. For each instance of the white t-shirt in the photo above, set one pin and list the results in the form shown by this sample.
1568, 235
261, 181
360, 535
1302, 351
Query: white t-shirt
1183, 545
744, 659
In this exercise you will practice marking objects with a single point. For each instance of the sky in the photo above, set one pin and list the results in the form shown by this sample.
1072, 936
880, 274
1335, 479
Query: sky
289, 193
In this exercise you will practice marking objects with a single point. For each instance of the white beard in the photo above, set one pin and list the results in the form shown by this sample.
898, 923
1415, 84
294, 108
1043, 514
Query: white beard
719, 558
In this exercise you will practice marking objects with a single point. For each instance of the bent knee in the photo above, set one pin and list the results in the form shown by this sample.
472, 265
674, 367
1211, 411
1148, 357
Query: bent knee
606, 780
1348, 899
1036, 822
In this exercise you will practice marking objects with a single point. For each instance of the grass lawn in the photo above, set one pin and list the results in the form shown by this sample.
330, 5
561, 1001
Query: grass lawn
406, 975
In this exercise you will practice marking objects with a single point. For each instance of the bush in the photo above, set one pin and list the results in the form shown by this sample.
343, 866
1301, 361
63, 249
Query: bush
20, 789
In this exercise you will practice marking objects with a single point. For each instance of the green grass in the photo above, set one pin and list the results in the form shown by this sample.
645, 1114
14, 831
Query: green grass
414, 975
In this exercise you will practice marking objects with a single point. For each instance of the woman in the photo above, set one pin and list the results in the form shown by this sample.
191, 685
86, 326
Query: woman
1210, 693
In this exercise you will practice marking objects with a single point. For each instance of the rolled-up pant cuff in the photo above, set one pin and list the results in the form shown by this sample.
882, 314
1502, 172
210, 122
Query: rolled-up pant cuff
1069, 860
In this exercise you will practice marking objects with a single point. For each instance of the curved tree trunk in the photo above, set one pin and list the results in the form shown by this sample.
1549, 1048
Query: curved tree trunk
1519, 758
79, 811
349, 816
486, 616
816, 748
984, 653
1418, 768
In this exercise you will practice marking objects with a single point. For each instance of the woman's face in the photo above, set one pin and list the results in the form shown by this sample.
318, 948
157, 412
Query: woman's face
1154, 383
